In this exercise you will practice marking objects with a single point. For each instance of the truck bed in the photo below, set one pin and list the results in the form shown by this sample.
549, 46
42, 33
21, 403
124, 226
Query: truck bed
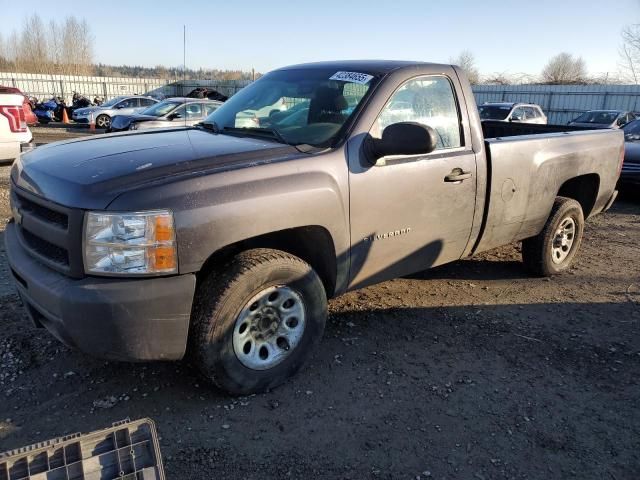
492, 129
528, 165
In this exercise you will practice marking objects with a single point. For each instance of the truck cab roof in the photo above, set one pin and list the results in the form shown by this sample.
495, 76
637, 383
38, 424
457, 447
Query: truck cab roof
372, 67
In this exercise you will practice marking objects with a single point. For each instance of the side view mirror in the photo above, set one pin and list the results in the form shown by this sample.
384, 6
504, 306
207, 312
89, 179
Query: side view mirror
173, 116
403, 138
515, 118
120, 106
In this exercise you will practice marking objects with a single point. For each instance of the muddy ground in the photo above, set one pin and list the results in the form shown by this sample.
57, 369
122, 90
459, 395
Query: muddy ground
468, 371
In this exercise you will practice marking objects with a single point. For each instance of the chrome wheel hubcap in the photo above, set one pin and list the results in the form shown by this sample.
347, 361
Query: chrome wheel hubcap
563, 240
269, 327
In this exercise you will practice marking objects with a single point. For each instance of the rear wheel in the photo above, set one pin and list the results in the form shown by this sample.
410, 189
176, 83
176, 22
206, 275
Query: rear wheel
552, 251
103, 121
256, 320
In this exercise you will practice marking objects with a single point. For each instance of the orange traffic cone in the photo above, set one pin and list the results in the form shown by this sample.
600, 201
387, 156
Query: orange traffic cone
65, 117
92, 123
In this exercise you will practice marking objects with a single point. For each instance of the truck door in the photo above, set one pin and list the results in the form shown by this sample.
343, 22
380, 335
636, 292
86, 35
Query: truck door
409, 213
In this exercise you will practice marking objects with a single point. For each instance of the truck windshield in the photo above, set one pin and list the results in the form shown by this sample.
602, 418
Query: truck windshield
306, 106
494, 112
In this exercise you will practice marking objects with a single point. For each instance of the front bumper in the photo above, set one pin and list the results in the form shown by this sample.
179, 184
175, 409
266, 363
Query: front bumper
112, 318
82, 117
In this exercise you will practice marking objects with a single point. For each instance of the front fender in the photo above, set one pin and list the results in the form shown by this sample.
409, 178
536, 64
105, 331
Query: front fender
215, 210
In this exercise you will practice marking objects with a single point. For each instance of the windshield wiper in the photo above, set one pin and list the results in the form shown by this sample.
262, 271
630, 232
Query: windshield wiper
272, 132
260, 131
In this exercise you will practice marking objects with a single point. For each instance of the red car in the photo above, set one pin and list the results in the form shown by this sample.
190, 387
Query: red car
29, 116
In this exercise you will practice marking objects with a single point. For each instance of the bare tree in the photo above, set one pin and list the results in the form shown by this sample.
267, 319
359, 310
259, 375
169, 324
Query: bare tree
77, 46
467, 62
564, 68
630, 53
56, 57
33, 53
4, 60
13, 46
57, 47
498, 78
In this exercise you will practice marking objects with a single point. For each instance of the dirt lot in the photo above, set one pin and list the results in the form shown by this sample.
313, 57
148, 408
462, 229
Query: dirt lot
469, 371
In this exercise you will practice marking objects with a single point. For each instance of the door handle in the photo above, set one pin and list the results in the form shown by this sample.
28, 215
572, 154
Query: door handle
457, 175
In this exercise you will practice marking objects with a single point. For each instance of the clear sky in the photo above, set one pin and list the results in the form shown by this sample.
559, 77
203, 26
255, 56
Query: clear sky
505, 36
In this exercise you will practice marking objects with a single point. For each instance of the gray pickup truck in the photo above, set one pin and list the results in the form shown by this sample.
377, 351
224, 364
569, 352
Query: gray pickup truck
222, 242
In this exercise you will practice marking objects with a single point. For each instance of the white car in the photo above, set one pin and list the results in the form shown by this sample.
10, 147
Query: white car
512, 112
14, 132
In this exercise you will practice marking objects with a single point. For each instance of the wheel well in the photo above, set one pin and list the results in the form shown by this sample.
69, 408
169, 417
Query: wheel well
313, 244
583, 189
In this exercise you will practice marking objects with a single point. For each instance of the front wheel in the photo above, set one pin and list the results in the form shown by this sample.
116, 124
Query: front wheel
553, 250
256, 320
103, 121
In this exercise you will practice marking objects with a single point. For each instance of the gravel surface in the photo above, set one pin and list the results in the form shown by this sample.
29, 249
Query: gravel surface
468, 371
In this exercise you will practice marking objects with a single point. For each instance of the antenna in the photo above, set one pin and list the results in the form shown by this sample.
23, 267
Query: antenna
184, 68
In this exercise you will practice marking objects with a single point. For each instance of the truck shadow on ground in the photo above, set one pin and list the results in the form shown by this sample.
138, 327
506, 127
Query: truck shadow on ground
474, 269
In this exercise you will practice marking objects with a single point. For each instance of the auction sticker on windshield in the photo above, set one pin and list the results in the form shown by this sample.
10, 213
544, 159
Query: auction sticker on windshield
353, 77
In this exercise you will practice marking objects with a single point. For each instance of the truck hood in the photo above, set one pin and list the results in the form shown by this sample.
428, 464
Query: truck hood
91, 173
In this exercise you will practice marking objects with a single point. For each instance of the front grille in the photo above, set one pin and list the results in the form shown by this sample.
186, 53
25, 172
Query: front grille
49, 232
47, 250
43, 213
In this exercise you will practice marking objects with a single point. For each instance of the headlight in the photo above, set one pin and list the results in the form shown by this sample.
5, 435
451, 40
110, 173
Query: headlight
140, 243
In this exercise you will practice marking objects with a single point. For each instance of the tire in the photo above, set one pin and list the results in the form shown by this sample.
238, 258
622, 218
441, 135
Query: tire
103, 121
228, 334
552, 251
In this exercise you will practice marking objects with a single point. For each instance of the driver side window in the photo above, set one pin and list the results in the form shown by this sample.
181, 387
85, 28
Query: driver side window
128, 103
427, 100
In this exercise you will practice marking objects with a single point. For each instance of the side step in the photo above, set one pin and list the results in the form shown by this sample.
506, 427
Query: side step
129, 450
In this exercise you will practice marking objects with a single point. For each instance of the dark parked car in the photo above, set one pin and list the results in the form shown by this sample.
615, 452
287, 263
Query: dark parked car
630, 174
171, 112
603, 119
209, 93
